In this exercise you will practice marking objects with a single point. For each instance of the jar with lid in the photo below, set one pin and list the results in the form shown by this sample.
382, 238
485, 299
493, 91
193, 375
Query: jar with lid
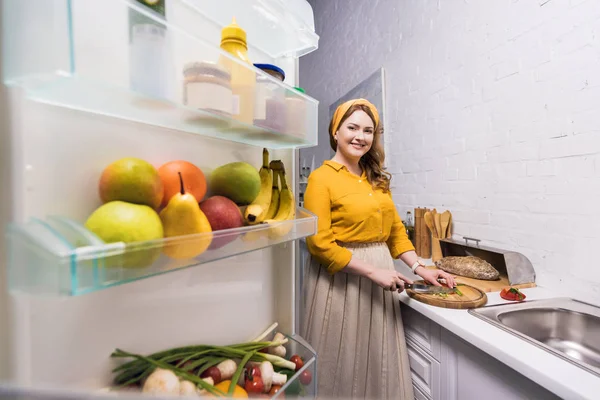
295, 113
269, 106
207, 86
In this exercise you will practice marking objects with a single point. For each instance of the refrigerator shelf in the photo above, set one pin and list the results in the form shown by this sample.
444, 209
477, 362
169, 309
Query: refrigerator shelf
129, 63
301, 383
295, 387
280, 28
60, 257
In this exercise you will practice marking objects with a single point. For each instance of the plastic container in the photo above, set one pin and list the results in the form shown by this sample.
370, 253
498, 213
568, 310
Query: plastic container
148, 60
59, 256
269, 107
233, 41
207, 86
295, 114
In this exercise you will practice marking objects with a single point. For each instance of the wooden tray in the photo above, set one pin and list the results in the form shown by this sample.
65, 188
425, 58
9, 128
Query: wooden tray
471, 298
488, 286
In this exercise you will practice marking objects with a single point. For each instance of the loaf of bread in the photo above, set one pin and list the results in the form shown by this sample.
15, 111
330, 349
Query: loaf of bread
468, 266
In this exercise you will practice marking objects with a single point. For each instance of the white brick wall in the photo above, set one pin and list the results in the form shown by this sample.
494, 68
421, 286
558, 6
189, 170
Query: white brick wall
493, 113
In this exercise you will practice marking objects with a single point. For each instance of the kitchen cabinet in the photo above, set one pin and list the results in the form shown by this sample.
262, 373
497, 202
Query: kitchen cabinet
444, 366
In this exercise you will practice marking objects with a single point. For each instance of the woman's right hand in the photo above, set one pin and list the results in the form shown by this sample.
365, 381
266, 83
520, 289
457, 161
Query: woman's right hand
389, 279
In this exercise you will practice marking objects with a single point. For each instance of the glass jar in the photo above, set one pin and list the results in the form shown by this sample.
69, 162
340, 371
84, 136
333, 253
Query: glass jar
269, 107
207, 86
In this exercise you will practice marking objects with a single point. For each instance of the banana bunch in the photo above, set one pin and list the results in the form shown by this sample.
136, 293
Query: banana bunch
256, 211
286, 209
280, 206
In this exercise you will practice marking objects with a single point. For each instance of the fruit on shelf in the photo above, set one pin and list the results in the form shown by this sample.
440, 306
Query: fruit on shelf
286, 209
238, 181
287, 204
275, 193
131, 180
119, 221
281, 208
183, 216
222, 213
193, 177
257, 210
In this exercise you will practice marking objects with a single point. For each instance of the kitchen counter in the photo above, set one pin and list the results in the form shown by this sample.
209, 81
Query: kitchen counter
553, 373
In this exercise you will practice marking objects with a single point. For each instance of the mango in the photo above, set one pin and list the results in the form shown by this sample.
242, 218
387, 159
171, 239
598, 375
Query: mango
238, 181
131, 180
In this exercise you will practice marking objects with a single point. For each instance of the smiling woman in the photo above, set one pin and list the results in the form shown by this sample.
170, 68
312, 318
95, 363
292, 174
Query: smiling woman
352, 312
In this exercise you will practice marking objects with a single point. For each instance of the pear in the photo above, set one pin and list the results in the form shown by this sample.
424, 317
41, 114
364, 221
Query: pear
182, 216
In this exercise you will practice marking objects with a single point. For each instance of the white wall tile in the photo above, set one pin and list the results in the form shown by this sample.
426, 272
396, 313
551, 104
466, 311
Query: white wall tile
492, 112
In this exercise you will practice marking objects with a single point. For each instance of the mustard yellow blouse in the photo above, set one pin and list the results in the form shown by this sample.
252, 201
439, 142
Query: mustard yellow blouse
350, 210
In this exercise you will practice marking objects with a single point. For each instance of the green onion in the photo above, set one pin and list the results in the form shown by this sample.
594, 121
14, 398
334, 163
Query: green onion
182, 374
238, 372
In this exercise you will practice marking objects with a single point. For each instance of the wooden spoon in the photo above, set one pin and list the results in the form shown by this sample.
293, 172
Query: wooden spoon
438, 226
445, 222
429, 222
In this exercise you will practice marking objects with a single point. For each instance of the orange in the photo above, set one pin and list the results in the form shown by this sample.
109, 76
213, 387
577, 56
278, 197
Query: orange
194, 180
238, 392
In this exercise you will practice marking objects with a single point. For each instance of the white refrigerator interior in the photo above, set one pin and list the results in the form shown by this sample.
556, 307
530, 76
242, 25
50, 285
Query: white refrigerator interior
84, 94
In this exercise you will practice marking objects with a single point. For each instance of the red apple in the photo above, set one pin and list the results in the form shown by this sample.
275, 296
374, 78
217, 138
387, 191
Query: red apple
222, 213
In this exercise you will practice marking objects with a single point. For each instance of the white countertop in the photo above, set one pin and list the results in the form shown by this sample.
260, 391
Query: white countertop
549, 371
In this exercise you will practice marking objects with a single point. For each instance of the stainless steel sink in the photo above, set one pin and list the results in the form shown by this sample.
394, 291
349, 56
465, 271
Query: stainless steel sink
565, 327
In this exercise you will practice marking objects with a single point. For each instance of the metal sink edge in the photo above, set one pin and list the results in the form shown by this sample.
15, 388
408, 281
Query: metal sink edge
558, 302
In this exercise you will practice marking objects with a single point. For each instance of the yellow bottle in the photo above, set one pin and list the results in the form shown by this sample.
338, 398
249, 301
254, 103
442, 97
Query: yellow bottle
233, 41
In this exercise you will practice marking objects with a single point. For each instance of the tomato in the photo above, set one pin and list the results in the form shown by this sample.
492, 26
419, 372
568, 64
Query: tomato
306, 377
253, 370
274, 390
214, 373
512, 294
253, 383
296, 359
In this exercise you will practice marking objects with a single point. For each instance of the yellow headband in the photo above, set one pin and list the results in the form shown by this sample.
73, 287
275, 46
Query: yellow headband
343, 108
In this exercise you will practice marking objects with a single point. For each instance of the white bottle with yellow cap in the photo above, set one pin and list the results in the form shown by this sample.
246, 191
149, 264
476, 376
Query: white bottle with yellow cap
233, 40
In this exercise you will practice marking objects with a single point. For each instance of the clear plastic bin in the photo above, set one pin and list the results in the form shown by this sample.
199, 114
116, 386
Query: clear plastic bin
60, 257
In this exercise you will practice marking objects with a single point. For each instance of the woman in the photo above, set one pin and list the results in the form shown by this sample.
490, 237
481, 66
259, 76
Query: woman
351, 310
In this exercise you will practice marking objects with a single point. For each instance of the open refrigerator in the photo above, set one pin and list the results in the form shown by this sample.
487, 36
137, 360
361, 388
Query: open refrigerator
90, 82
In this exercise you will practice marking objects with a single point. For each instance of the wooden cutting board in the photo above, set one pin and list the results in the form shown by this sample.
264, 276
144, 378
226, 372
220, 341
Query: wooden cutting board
488, 286
471, 298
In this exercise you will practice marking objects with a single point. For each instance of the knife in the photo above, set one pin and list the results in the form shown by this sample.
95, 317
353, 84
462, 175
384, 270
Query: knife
422, 288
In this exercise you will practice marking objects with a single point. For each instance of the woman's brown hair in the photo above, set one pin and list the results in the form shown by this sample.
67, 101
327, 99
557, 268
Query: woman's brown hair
372, 161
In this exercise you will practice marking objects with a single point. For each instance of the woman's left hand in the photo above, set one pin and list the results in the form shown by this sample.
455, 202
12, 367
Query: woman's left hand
432, 276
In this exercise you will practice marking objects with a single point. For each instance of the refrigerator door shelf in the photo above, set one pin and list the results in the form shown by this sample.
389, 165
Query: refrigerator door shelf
60, 257
119, 59
300, 384
279, 28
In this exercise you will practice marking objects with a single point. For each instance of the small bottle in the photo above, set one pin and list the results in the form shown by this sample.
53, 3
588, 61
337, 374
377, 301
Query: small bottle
410, 227
243, 78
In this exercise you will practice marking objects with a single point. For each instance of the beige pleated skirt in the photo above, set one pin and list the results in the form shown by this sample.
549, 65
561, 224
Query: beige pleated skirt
356, 329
